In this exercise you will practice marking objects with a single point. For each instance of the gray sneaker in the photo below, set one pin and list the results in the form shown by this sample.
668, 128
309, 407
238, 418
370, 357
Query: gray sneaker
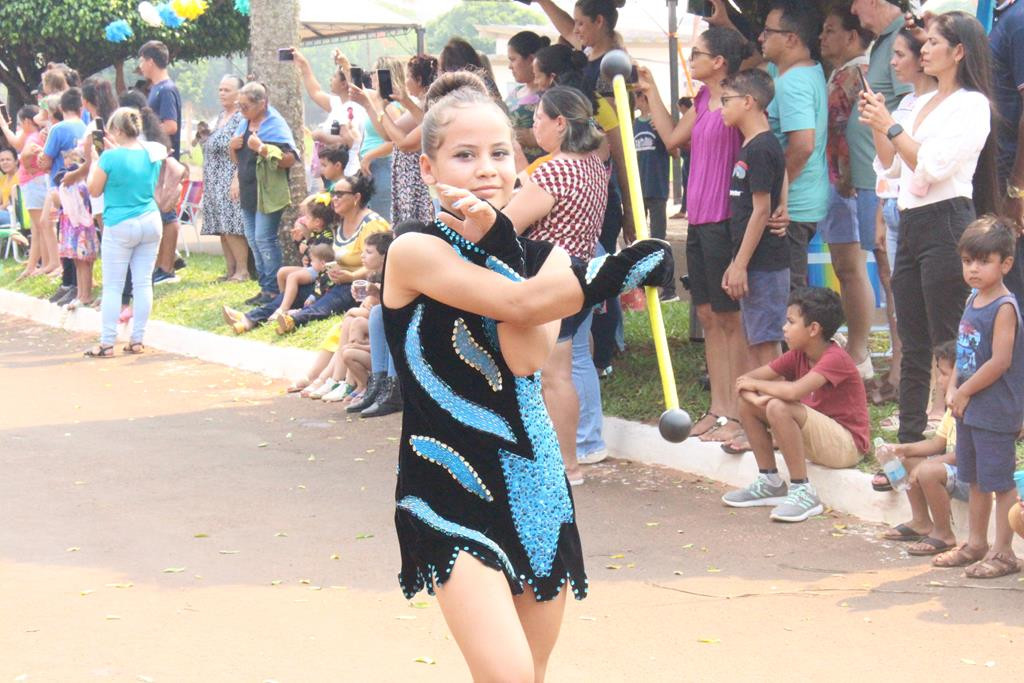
801, 503
760, 493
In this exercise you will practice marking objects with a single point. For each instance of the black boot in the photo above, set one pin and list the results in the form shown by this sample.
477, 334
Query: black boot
389, 400
370, 395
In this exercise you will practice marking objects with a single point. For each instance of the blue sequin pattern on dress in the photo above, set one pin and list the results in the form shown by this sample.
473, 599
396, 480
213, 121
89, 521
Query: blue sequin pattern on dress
445, 456
475, 356
421, 510
642, 269
463, 410
594, 266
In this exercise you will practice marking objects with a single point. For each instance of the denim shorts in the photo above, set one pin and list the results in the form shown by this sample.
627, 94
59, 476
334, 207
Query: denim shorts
764, 307
850, 219
957, 489
168, 216
33, 193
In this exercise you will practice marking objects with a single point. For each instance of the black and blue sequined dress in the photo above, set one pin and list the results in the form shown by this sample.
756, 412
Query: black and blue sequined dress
479, 468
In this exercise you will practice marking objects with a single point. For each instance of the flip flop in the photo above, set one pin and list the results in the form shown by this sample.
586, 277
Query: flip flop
880, 482
903, 533
714, 425
994, 567
934, 547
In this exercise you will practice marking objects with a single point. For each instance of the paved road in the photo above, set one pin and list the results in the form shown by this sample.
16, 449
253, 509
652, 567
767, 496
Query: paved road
165, 519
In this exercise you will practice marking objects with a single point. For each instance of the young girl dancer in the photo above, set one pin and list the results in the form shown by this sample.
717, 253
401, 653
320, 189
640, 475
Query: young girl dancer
484, 514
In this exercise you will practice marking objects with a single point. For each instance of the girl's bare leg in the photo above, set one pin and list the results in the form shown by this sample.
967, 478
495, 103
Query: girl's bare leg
541, 622
478, 607
562, 403
83, 277
48, 233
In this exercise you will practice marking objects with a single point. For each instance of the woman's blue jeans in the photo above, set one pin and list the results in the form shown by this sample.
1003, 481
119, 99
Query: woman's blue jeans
380, 354
588, 388
261, 234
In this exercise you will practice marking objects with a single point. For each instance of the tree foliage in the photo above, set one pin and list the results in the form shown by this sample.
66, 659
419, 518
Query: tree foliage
463, 19
71, 31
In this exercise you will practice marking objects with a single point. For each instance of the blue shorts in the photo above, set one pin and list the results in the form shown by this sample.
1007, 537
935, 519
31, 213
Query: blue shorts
957, 489
168, 216
985, 458
764, 307
33, 193
850, 219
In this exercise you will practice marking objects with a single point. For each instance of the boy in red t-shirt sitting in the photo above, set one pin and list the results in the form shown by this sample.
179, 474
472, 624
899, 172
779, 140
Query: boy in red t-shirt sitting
812, 400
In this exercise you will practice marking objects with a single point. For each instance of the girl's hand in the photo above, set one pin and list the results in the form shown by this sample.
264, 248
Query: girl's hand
364, 166
478, 215
358, 94
959, 403
300, 60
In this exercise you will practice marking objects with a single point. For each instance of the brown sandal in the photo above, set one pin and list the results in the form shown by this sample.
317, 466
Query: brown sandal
993, 567
134, 348
958, 557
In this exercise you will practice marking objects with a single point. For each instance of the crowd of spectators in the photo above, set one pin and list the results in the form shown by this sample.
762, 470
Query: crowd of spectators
886, 136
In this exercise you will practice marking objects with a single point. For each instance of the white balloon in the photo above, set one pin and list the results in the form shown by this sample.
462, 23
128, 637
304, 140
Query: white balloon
149, 14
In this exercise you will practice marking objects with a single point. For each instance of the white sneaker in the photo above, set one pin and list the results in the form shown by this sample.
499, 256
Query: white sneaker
592, 458
336, 394
323, 389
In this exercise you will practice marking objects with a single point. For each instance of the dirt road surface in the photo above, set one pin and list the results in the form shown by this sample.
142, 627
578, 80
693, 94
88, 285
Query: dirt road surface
164, 519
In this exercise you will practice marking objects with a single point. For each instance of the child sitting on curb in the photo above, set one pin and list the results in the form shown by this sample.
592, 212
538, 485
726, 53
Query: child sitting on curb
988, 400
811, 399
931, 465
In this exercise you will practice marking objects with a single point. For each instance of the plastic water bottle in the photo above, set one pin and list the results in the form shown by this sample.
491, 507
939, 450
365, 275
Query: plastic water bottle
1018, 478
891, 465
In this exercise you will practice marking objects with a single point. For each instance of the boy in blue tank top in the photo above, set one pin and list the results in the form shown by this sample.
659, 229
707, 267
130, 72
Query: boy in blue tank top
988, 400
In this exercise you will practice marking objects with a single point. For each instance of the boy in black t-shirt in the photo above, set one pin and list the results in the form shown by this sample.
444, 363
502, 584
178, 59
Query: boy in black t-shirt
759, 274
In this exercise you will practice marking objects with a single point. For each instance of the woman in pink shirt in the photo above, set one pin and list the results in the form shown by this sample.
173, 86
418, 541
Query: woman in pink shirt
28, 141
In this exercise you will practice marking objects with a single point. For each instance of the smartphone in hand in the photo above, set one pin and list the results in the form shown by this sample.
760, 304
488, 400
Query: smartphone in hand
5, 114
355, 76
385, 86
285, 54
98, 135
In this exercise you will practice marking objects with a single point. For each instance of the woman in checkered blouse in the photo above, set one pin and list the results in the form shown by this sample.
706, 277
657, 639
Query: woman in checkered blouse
563, 202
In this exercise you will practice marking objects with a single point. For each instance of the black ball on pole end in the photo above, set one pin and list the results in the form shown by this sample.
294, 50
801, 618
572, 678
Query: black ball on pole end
675, 425
616, 63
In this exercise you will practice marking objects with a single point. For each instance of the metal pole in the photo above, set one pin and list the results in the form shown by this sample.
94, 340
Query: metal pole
421, 40
673, 70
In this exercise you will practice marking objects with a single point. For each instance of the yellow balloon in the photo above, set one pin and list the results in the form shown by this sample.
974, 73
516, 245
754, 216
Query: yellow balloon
189, 9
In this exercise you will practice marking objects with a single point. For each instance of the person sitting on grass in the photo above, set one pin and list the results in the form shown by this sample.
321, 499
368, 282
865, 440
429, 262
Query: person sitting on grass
315, 225
291, 278
325, 367
350, 367
931, 465
988, 400
811, 400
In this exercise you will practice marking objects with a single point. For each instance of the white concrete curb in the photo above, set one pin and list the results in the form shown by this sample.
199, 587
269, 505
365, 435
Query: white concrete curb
845, 490
273, 361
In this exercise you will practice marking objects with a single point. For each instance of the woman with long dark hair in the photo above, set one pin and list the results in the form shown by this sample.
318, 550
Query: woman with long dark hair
945, 162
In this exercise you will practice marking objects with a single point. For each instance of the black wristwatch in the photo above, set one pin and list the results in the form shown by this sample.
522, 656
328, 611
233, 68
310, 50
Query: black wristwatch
894, 130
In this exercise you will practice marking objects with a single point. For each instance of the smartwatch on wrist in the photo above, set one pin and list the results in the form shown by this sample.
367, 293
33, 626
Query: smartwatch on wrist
894, 130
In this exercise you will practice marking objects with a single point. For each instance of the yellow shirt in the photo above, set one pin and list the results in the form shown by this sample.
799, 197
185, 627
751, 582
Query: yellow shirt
947, 430
7, 185
605, 115
349, 250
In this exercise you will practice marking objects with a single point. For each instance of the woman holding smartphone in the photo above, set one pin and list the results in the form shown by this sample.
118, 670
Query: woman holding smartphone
945, 162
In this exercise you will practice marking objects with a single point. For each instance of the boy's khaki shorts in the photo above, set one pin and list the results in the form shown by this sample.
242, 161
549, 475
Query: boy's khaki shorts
828, 443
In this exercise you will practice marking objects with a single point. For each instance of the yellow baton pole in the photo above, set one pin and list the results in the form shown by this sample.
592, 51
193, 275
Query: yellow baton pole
674, 423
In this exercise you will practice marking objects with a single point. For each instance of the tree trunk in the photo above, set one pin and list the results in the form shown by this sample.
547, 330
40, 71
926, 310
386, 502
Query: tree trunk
275, 24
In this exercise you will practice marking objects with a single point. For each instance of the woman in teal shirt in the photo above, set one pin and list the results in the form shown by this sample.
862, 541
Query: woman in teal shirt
126, 175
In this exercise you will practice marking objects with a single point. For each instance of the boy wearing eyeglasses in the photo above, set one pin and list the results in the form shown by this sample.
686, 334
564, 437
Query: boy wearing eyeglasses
758, 276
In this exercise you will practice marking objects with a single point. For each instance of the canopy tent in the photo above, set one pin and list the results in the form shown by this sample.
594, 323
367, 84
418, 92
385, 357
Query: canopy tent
324, 21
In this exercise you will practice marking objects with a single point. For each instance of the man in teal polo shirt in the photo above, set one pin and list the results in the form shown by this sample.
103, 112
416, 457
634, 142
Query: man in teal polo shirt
798, 115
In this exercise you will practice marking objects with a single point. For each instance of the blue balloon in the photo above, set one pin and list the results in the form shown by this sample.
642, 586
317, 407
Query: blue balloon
118, 31
169, 16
